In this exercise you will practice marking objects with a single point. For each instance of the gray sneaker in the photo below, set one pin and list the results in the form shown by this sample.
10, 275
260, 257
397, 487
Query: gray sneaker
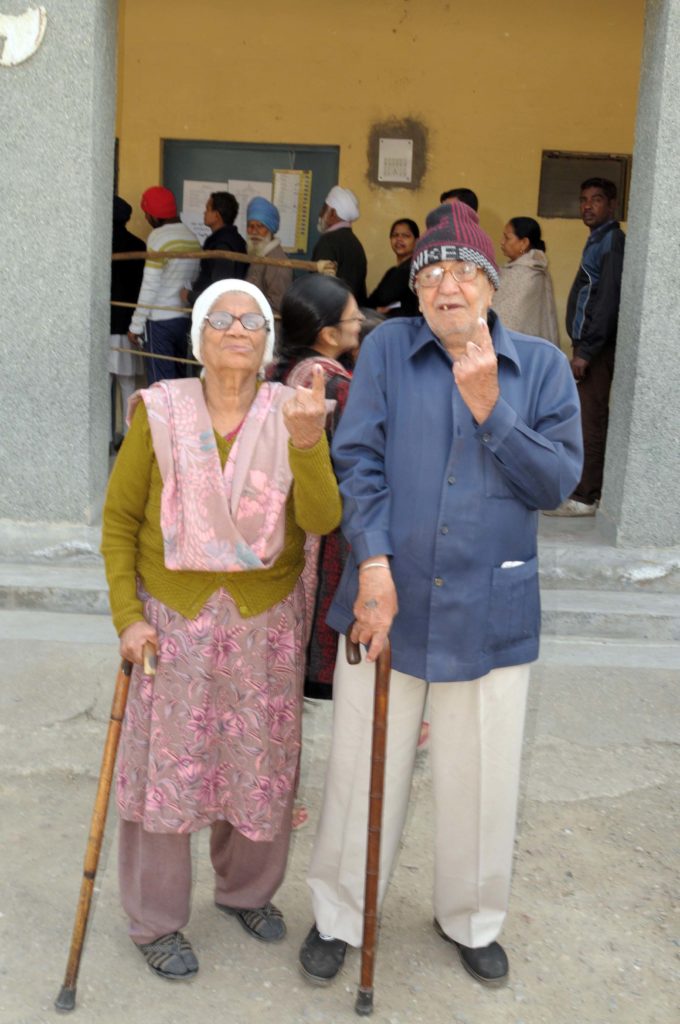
264, 923
170, 957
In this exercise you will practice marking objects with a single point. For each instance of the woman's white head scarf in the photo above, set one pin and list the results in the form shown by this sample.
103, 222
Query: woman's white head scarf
207, 299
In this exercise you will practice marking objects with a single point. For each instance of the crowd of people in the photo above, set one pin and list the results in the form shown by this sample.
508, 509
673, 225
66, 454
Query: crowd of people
524, 298
292, 493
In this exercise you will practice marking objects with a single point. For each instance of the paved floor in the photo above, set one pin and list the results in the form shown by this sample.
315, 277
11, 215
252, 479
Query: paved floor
594, 930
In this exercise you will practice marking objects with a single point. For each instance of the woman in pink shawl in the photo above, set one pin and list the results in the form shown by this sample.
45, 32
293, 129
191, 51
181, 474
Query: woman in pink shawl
217, 484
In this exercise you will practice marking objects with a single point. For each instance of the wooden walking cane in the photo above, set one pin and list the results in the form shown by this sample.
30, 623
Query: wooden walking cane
66, 1000
364, 1001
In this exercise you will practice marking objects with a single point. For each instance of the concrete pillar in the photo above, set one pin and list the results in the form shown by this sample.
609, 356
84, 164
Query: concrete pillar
56, 159
641, 496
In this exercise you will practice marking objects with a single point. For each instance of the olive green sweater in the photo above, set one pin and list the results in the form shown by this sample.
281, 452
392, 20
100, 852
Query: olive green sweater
132, 543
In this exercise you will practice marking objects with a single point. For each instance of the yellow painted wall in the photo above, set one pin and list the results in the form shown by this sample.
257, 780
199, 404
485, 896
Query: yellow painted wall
495, 83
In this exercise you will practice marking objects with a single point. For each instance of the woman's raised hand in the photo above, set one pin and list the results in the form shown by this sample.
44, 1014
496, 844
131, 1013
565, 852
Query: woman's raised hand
305, 413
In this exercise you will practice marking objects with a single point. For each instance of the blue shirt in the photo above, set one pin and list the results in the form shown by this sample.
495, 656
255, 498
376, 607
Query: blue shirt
450, 500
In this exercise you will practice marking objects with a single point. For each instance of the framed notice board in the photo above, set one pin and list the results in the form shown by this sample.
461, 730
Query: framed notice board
200, 160
562, 173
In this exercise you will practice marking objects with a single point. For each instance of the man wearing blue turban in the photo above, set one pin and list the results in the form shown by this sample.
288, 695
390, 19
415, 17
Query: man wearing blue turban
262, 224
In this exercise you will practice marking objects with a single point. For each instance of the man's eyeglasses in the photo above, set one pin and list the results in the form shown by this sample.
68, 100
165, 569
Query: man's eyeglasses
461, 271
222, 321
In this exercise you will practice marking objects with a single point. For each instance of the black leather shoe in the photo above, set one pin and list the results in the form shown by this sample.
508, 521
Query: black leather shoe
488, 964
321, 959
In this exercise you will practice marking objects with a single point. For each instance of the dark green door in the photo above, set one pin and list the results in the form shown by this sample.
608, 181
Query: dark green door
219, 161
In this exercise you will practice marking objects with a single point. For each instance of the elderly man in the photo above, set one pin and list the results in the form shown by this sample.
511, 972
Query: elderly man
262, 223
339, 243
456, 431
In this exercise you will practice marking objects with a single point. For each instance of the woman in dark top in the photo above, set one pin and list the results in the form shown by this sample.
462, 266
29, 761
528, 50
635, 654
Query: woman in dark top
393, 297
320, 323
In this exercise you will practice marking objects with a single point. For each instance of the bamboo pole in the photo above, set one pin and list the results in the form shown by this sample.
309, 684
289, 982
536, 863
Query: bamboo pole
147, 305
315, 266
177, 309
154, 355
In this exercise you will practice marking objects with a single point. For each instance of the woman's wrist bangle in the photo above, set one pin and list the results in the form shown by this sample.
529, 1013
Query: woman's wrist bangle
373, 565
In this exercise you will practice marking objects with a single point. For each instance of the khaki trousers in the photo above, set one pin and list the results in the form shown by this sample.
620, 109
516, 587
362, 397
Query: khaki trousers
476, 731
154, 871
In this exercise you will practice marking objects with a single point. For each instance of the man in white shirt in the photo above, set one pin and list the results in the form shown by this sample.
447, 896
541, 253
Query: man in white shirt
164, 332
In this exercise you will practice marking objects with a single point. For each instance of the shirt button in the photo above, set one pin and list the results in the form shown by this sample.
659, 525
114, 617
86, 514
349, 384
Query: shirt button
243, 609
438, 581
486, 438
451, 480
444, 529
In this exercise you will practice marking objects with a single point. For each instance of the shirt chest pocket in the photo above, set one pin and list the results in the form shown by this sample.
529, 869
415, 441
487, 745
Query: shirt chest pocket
514, 606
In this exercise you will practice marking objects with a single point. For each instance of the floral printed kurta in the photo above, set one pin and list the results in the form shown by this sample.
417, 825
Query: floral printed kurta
215, 735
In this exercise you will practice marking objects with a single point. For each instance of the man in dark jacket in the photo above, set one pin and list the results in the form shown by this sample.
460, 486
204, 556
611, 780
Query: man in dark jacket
339, 243
126, 280
221, 211
592, 320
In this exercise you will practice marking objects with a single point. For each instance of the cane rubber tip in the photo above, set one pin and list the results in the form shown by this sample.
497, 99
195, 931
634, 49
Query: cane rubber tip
364, 1002
66, 1000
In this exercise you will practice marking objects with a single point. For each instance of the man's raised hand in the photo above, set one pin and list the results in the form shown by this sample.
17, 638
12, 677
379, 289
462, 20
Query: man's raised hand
476, 373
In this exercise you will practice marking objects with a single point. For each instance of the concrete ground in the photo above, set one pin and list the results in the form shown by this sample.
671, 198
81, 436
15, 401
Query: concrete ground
594, 930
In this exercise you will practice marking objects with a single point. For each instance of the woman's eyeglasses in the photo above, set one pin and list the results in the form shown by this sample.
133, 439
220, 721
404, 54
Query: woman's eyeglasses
222, 321
358, 318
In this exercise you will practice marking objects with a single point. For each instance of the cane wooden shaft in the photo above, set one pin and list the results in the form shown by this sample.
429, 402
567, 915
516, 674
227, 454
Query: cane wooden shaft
376, 789
94, 842
66, 998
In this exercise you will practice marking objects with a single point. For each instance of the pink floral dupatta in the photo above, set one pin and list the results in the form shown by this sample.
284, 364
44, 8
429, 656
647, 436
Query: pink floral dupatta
217, 520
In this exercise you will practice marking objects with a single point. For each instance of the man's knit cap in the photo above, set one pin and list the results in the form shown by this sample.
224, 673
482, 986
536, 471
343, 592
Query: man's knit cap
453, 233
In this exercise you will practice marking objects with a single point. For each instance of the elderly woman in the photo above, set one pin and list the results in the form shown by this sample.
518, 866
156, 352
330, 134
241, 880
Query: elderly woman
320, 326
208, 505
392, 296
525, 300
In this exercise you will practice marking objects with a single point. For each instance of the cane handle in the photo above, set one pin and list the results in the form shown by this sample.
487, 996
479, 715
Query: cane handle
352, 650
150, 659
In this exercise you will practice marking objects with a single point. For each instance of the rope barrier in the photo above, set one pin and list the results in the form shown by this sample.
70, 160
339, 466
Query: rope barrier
176, 309
327, 267
146, 305
153, 355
